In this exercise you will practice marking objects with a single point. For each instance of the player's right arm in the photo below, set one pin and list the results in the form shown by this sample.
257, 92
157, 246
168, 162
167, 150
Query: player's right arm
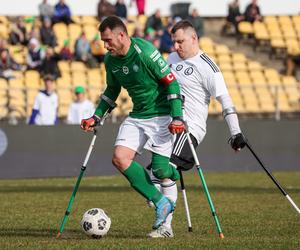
107, 100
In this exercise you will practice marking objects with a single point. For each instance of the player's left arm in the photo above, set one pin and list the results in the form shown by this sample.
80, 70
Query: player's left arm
162, 72
219, 90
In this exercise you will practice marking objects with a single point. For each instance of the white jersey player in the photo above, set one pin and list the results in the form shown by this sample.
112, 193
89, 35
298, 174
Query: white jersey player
44, 111
199, 79
81, 108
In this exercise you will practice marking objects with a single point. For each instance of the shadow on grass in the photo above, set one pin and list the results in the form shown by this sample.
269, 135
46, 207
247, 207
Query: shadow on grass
113, 189
67, 234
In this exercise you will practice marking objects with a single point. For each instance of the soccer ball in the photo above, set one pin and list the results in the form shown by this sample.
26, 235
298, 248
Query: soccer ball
95, 222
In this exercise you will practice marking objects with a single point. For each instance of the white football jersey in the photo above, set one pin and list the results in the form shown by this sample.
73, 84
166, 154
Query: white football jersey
79, 111
199, 79
46, 105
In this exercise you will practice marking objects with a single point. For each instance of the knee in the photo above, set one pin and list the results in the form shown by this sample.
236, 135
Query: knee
161, 173
121, 160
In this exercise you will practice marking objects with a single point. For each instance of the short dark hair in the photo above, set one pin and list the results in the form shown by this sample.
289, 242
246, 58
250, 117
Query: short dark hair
183, 24
112, 22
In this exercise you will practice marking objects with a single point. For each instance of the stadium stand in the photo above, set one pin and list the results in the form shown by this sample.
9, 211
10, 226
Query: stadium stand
254, 88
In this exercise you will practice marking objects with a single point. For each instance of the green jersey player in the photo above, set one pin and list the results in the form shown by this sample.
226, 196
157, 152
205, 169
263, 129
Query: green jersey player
136, 65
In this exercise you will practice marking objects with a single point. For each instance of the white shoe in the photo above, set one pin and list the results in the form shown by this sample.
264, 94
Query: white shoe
161, 232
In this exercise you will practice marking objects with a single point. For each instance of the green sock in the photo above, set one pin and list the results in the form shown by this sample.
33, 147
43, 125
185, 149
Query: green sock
141, 182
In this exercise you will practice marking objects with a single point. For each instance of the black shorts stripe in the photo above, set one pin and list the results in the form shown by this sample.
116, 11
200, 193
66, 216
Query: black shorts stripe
177, 144
181, 145
168, 185
210, 63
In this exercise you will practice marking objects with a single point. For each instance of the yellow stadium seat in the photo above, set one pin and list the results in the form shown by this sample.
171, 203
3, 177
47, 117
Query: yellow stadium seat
61, 30
77, 66
64, 96
89, 20
3, 112
285, 20
63, 110
254, 65
74, 31
79, 78
293, 46
16, 84
64, 66
289, 81
270, 19
239, 66
32, 83
3, 84
30, 96
245, 28
4, 32
4, 20
90, 31
93, 94
76, 19
224, 58
238, 57
206, 41
221, 50
64, 82
225, 66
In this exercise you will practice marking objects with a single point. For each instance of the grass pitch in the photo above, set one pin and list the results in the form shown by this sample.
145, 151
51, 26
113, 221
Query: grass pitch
252, 212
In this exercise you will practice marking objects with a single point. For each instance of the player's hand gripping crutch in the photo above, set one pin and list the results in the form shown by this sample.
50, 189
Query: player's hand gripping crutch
214, 214
82, 170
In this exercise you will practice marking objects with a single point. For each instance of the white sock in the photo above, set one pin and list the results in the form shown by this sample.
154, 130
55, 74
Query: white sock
169, 189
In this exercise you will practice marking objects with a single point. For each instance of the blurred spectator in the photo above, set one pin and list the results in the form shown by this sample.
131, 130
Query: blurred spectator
35, 55
252, 12
65, 52
154, 21
156, 42
44, 111
49, 65
138, 32
121, 9
105, 9
83, 51
18, 33
45, 10
291, 63
166, 44
233, 18
47, 33
197, 21
62, 13
81, 108
140, 5
7, 65
97, 49
3, 44
150, 34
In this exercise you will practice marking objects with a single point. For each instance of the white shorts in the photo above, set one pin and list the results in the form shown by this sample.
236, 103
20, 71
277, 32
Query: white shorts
152, 133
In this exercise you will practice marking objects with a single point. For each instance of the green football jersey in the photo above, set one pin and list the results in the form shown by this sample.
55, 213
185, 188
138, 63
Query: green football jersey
146, 76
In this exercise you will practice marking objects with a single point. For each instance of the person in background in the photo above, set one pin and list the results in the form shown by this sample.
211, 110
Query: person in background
154, 21
83, 51
35, 55
49, 65
47, 34
197, 21
45, 10
18, 34
140, 5
81, 108
62, 13
65, 52
252, 12
97, 49
7, 65
166, 44
121, 9
105, 9
44, 111
234, 17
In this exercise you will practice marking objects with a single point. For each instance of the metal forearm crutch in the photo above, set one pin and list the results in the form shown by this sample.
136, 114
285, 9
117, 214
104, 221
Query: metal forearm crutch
214, 214
82, 170
186, 205
273, 179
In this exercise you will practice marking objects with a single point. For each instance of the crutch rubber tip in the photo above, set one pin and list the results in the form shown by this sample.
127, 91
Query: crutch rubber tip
190, 229
221, 235
58, 235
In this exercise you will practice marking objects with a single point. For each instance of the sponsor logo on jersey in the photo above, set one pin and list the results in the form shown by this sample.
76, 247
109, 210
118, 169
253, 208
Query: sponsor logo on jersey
179, 67
135, 68
125, 70
164, 69
188, 71
161, 62
115, 70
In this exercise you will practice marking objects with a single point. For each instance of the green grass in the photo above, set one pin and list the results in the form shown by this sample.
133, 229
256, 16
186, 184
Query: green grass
252, 212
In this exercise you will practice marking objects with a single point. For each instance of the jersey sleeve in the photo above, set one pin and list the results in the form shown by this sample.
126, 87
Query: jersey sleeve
216, 84
112, 90
162, 72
